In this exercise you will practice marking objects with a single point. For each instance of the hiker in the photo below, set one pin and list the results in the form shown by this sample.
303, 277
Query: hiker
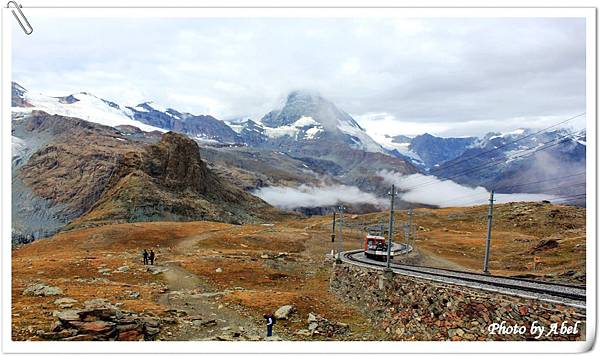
151, 257
270, 321
145, 254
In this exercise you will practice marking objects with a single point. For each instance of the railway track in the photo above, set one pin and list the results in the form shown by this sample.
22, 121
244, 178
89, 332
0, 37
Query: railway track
545, 291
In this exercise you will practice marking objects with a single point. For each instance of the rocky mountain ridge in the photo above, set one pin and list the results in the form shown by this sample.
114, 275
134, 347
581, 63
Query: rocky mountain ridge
74, 173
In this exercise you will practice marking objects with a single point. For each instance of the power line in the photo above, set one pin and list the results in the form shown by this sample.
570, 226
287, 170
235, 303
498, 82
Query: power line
506, 144
567, 198
481, 194
495, 163
542, 147
539, 181
566, 185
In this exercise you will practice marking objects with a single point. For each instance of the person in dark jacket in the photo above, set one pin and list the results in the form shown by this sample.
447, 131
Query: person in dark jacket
270, 321
145, 255
152, 257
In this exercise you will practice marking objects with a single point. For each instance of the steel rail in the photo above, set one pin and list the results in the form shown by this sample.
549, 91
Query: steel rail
506, 285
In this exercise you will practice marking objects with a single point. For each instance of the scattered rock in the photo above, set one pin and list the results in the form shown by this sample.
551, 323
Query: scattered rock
156, 269
151, 331
99, 303
211, 322
65, 301
219, 270
41, 289
303, 332
317, 324
68, 316
130, 335
123, 269
544, 244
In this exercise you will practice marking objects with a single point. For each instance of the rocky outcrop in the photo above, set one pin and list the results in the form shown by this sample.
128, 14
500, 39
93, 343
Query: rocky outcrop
169, 181
100, 320
409, 308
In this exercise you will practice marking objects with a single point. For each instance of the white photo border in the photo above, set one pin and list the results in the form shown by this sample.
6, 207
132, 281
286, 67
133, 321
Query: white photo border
349, 347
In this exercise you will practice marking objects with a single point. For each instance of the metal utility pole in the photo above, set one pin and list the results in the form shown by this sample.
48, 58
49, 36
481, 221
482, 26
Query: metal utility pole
340, 225
414, 236
489, 234
333, 229
409, 223
391, 231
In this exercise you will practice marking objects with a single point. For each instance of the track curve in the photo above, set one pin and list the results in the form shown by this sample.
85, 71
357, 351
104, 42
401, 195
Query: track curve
546, 291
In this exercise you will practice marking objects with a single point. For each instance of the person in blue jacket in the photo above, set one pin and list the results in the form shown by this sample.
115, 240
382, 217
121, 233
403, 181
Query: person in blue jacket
270, 321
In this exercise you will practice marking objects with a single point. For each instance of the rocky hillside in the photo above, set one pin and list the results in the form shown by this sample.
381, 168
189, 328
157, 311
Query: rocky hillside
203, 127
436, 150
169, 181
70, 172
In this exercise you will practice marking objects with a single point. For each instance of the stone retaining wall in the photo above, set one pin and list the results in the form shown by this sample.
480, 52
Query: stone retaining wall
410, 308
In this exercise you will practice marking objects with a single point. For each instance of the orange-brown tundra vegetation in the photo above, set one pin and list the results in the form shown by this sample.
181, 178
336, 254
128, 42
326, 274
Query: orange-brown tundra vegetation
230, 275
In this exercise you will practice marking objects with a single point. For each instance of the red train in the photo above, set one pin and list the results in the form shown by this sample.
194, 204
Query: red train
376, 247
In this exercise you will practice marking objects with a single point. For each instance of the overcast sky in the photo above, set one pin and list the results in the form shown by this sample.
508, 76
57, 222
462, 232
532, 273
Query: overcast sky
450, 77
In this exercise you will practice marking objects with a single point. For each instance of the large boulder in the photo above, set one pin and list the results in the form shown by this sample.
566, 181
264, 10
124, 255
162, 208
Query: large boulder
284, 312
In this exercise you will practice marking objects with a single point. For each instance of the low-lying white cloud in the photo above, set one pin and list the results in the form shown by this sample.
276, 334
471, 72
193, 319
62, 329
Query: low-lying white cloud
314, 196
419, 188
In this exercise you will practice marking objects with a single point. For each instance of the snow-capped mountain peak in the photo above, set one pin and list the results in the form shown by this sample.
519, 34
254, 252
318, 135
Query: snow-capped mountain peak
317, 116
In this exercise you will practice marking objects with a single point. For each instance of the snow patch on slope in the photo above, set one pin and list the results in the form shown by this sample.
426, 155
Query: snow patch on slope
403, 148
19, 148
87, 107
294, 129
312, 133
365, 141
235, 127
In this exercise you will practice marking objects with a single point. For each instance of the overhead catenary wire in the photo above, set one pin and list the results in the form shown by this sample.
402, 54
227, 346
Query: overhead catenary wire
482, 195
436, 180
571, 197
539, 181
486, 192
563, 186
542, 147
506, 144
